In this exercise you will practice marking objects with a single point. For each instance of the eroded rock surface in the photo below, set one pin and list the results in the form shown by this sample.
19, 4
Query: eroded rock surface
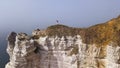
59, 52
22, 53
60, 46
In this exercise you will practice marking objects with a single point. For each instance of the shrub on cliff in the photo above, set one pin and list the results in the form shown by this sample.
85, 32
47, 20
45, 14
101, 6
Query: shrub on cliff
61, 30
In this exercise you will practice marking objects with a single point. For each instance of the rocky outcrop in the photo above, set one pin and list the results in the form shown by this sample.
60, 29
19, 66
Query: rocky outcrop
61, 46
56, 52
22, 53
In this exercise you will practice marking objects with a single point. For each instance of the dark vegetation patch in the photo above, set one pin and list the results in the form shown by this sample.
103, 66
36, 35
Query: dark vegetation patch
75, 50
62, 30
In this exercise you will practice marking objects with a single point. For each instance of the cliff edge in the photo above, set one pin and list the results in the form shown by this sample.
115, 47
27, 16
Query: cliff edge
60, 46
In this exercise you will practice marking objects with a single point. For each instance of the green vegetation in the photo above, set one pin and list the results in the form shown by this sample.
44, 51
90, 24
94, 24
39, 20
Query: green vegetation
104, 33
100, 34
61, 30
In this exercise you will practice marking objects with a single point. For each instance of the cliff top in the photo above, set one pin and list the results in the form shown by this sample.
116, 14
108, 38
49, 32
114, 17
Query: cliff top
97, 34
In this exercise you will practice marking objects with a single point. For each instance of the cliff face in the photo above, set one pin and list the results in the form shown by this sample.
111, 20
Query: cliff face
65, 47
21, 51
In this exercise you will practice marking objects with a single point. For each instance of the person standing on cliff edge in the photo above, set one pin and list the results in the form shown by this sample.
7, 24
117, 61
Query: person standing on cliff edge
57, 22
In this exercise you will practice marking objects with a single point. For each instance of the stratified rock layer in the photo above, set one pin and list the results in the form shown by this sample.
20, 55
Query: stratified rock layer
64, 52
22, 53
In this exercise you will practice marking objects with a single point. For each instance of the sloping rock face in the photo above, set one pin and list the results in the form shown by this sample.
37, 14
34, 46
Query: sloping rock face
59, 52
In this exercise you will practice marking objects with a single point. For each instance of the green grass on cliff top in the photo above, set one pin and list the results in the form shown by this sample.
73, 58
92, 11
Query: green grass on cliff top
101, 34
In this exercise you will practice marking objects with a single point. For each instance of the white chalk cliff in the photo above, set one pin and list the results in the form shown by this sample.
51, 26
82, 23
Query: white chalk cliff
59, 52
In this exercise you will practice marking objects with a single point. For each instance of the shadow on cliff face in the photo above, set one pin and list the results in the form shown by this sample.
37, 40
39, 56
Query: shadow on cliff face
54, 63
47, 58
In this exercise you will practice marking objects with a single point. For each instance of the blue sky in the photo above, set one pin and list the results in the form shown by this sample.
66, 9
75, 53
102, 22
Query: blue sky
25, 15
